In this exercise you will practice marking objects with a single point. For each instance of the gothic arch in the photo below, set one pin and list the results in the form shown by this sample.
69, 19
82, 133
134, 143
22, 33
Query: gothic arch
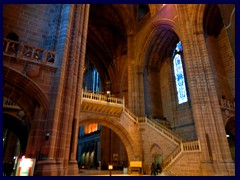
18, 126
230, 126
151, 34
24, 92
157, 48
32, 101
130, 145
155, 150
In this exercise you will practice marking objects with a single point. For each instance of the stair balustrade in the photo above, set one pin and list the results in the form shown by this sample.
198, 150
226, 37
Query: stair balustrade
184, 147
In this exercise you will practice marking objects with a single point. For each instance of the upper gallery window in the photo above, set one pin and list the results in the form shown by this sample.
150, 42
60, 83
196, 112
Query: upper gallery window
179, 75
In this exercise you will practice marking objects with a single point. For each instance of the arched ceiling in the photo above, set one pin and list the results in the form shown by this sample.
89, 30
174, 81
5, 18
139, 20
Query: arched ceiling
24, 92
107, 37
109, 25
161, 47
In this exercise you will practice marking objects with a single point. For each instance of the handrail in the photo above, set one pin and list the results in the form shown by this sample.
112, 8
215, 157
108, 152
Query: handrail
162, 129
157, 126
101, 98
190, 146
27, 52
130, 115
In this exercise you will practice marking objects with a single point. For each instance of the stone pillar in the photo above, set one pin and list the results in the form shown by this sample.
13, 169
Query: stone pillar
134, 79
80, 36
228, 60
131, 72
62, 123
206, 111
153, 94
37, 140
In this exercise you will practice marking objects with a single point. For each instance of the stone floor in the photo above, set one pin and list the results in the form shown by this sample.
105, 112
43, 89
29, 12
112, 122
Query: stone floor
84, 172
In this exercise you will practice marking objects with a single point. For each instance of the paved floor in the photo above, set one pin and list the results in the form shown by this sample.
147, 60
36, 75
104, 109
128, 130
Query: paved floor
92, 172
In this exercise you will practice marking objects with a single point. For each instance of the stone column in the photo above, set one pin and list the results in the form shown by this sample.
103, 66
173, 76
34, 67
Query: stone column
82, 36
134, 79
52, 162
62, 122
206, 111
130, 61
37, 136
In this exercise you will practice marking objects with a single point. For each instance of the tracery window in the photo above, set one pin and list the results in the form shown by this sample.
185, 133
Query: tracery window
179, 75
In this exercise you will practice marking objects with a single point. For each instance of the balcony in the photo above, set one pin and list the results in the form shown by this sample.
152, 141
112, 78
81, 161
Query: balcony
19, 52
99, 103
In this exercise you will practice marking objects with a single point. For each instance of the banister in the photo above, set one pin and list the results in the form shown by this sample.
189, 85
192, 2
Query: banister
184, 147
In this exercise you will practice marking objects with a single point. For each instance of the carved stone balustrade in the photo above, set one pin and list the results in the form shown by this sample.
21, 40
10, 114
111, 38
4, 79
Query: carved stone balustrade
23, 51
226, 104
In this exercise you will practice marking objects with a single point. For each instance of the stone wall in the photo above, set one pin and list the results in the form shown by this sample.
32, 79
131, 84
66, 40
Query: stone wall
187, 164
35, 24
154, 145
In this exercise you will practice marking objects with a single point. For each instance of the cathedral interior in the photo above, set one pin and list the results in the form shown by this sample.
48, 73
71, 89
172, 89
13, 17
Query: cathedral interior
86, 86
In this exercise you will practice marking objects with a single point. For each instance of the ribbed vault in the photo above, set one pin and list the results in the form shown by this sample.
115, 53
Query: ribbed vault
160, 47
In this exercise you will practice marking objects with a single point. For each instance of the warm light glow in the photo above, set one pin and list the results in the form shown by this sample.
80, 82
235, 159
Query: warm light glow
108, 92
110, 166
89, 128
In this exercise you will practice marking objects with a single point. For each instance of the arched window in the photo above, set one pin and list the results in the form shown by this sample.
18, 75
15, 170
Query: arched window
179, 75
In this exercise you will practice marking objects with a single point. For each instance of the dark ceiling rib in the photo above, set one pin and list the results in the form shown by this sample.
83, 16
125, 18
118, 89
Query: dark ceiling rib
162, 45
106, 34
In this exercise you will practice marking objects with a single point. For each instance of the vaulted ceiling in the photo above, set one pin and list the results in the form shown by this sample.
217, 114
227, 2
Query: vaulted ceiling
107, 37
108, 27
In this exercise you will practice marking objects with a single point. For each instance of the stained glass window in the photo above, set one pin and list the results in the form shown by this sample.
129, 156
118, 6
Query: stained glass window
179, 76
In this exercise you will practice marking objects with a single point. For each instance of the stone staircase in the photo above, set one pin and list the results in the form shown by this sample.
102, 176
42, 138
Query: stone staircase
98, 103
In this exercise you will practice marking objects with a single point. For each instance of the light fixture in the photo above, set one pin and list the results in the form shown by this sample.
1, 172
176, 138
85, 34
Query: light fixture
110, 167
47, 136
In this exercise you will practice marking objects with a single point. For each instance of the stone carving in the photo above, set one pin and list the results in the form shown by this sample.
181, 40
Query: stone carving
32, 70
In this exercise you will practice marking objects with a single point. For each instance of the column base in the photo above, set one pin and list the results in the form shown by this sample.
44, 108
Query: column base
49, 167
73, 168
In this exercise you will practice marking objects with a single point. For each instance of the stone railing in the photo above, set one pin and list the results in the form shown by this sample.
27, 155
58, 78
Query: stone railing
162, 129
23, 51
8, 103
226, 104
100, 98
165, 131
190, 146
132, 116
163, 122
